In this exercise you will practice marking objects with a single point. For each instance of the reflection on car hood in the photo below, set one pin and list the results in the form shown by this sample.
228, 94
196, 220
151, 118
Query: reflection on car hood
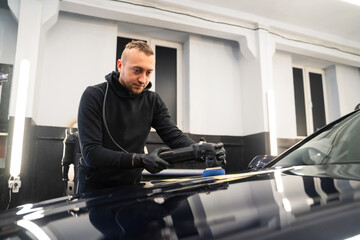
344, 171
270, 204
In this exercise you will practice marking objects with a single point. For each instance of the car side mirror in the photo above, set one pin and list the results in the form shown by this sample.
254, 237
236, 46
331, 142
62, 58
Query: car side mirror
260, 161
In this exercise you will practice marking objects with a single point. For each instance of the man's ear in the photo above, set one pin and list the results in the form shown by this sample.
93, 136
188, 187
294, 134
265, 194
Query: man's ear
119, 64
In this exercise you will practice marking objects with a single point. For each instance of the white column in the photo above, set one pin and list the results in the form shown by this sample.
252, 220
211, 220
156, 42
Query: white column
257, 85
266, 53
33, 16
256, 80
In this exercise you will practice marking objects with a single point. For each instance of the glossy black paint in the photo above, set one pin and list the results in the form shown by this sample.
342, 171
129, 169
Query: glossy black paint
282, 202
267, 204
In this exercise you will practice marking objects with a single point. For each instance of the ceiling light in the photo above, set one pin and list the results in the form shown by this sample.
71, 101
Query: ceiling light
19, 125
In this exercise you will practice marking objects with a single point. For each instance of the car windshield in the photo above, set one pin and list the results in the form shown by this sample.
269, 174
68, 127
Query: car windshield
337, 145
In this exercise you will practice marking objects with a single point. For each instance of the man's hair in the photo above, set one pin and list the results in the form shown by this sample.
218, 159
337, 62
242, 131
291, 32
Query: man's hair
140, 45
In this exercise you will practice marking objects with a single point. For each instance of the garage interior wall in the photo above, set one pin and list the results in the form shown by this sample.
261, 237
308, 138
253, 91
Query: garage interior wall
71, 60
226, 80
8, 35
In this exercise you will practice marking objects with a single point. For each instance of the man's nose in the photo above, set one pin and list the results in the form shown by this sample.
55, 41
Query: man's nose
142, 78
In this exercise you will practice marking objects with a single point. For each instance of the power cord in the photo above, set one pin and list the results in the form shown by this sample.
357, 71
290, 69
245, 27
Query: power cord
104, 120
9, 201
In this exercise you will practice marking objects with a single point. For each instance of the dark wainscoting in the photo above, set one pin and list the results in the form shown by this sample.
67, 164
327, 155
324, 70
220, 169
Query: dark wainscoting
41, 166
41, 169
27, 170
48, 151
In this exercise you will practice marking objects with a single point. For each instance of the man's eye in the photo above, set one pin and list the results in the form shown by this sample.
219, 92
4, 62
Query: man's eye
137, 71
148, 73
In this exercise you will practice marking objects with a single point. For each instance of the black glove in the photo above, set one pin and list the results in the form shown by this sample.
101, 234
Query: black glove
151, 162
220, 153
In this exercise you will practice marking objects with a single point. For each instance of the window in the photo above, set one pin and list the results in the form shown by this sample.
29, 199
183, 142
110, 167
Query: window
301, 127
167, 76
309, 100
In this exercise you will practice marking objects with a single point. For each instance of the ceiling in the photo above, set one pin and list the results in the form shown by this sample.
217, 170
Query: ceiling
334, 17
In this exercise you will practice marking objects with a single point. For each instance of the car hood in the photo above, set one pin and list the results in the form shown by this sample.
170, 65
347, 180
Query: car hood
269, 204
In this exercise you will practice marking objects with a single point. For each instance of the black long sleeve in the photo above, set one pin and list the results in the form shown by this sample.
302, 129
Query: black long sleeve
90, 124
129, 119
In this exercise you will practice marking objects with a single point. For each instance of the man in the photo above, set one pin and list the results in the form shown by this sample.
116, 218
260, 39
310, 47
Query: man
114, 121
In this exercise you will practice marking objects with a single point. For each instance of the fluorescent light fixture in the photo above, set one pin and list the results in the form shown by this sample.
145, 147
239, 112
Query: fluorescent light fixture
272, 122
355, 2
19, 122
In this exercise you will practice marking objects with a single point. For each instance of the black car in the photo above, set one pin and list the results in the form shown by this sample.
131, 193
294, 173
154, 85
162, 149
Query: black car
311, 191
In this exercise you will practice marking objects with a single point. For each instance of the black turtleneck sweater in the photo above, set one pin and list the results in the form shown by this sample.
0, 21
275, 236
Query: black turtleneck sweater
129, 118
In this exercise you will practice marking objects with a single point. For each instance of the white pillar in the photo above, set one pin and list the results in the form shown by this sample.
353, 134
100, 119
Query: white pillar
34, 17
256, 80
266, 53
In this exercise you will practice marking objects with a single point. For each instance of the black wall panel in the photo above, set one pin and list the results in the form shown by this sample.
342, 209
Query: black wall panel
27, 169
48, 152
41, 170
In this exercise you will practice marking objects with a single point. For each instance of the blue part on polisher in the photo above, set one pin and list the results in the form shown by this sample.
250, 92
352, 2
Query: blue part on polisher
213, 172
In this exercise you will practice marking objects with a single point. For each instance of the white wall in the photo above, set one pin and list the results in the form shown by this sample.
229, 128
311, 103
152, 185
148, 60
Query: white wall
214, 87
77, 52
342, 84
252, 97
348, 79
332, 93
225, 90
284, 95
8, 35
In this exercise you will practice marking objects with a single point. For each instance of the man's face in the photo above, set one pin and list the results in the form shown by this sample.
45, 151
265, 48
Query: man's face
135, 70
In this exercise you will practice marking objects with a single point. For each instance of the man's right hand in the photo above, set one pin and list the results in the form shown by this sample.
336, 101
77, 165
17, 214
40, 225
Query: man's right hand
151, 162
